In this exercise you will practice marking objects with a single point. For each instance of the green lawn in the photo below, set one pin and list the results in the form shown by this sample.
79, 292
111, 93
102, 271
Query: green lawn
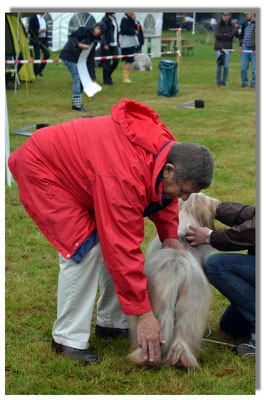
227, 126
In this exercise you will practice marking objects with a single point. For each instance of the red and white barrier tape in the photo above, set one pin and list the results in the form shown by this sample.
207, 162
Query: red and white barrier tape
239, 51
95, 58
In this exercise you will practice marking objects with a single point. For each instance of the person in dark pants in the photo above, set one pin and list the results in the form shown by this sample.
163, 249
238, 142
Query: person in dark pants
233, 274
110, 47
140, 35
38, 39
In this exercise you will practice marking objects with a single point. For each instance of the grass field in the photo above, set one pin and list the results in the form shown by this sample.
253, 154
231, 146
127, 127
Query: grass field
227, 126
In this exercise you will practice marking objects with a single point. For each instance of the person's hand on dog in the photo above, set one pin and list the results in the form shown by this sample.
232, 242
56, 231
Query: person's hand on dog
173, 244
149, 336
197, 235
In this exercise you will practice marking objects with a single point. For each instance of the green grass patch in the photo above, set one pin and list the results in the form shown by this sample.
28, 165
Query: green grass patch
227, 126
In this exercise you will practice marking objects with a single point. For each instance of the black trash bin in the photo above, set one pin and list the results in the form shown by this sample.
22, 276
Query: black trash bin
168, 79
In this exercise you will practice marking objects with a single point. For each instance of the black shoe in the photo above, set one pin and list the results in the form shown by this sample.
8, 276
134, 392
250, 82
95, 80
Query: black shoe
110, 83
76, 354
80, 109
246, 349
102, 332
40, 74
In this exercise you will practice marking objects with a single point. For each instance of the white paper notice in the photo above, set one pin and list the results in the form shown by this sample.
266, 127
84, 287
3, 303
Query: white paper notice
89, 87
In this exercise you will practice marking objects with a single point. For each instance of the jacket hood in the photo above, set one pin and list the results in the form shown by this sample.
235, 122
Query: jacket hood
143, 128
141, 125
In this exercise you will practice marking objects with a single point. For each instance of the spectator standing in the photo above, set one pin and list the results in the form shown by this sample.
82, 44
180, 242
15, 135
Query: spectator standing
233, 274
140, 34
129, 42
110, 47
80, 40
247, 41
38, 39
224, 33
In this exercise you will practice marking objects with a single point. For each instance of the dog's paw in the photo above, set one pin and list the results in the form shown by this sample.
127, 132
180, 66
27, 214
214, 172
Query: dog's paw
181, 356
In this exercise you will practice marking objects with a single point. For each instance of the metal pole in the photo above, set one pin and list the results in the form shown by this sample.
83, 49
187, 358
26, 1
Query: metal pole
193, 29
178, 48
17, 52
7, 147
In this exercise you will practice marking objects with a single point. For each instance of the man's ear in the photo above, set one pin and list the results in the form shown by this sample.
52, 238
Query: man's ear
168, 170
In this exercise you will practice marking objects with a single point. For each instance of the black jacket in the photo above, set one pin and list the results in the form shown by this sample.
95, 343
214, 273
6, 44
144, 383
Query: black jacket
71, 51
128, 26
108, 37
140, 34
224, 34
33, 29
241, 37
241, 234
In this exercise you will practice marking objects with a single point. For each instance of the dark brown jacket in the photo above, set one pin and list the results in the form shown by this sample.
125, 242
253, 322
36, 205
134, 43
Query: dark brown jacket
241, 234
224, 34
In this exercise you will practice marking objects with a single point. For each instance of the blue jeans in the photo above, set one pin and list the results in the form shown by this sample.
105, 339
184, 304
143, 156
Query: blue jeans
245, 59
234, 276
221, 78
72, 67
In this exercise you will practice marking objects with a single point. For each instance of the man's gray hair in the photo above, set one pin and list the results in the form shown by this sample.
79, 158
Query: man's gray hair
192, 161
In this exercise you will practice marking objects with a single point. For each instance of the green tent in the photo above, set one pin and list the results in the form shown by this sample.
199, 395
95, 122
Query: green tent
17, 45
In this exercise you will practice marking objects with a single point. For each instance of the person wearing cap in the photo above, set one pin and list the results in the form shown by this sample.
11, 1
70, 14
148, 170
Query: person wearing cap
233, 274
88, 184
80, 40
224, 33
247, 41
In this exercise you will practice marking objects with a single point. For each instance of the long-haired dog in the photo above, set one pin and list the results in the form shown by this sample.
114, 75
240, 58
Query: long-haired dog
178, 288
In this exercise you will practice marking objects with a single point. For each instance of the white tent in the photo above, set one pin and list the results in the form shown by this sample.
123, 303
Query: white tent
61, 25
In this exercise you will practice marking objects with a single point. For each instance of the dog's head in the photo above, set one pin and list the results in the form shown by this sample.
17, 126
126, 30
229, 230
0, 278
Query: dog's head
198, 210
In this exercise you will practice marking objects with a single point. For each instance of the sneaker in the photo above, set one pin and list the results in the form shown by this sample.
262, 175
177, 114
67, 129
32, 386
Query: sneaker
246, 349
127, 80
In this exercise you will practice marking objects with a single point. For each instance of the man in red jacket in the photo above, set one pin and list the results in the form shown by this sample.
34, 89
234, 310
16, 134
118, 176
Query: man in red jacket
88, 183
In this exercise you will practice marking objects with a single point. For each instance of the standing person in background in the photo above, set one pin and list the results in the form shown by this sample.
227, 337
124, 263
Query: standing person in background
140, 34
110, 47
128, 42
38, 39
80, 40
224, 33
247, 41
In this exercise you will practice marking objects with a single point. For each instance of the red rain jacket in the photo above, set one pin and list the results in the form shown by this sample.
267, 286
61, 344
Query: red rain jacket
93, 179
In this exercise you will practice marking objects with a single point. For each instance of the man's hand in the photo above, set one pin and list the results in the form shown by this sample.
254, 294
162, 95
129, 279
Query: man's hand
196, 235
83, 46
173, 244
149, 336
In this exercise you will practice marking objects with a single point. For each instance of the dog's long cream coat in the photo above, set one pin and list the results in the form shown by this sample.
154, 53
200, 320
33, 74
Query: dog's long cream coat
178, 289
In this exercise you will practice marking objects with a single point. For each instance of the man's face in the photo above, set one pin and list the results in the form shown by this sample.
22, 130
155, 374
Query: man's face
173, 189
250, 16
226, 18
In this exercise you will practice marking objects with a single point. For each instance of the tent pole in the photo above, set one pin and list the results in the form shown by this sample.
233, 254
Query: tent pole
7, 148
17, 53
